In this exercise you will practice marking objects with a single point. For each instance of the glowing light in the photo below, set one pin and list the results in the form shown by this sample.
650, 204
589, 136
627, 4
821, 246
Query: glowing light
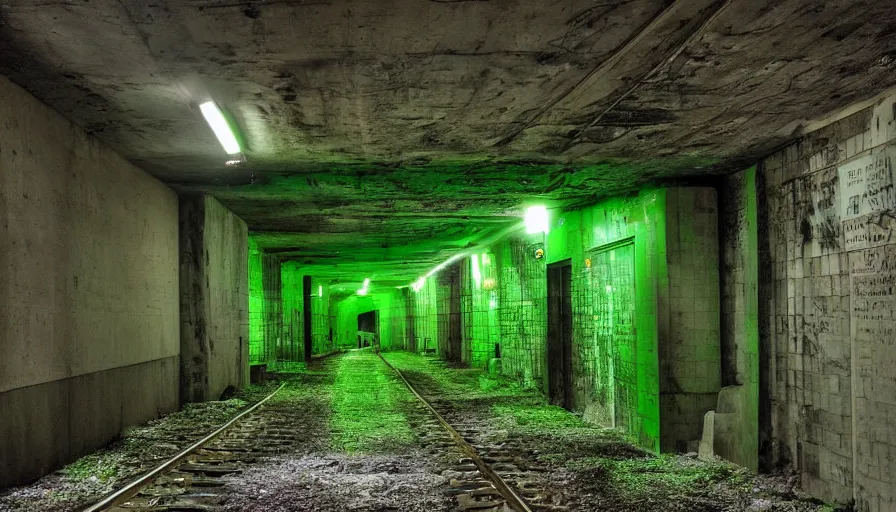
477, 276
418, 284
320, 291
536, 220
365, 287
444, 264
609, 289
219, 125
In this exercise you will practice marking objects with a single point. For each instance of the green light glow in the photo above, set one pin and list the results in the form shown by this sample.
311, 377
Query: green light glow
320, 291
444, 264
365, 287
219, 125
536, 220
418, 284
477, 275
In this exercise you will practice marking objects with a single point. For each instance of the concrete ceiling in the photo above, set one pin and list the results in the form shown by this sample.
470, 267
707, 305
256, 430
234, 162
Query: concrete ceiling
385, 135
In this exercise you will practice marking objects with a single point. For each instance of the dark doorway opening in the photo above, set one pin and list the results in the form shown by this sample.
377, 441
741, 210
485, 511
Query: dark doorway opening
367, 328
560, 334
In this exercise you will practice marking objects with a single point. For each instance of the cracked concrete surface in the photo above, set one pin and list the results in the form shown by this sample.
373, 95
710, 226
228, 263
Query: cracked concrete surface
386, 123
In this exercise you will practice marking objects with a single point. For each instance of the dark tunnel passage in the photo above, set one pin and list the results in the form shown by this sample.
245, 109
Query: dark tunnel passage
483, 256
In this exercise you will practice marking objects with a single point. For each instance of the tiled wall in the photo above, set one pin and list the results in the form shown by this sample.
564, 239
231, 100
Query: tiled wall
616, 322
830, 344
522, 309
690, 369
740, 321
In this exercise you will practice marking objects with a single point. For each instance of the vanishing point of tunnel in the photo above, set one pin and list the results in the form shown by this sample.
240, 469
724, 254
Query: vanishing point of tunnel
448, 255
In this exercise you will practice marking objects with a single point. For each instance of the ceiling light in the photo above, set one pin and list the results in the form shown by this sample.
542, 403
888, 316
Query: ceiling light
220, 126
444, 264
418, 284
365, 287
536, 220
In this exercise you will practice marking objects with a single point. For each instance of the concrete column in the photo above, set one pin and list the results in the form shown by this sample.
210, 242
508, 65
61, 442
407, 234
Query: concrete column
214, 350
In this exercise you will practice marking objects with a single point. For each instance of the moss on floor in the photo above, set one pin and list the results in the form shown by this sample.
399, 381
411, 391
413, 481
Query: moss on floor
593, 467
137, 450
367, 407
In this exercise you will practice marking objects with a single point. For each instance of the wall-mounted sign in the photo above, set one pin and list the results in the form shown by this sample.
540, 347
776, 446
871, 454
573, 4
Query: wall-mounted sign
866, 185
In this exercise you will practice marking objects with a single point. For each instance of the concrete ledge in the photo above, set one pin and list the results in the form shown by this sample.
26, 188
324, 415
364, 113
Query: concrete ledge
48, 425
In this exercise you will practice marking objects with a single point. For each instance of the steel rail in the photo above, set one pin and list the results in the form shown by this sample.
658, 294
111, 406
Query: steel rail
120, 496
513, 499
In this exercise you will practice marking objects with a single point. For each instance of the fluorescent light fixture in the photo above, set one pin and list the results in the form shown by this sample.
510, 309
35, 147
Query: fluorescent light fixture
477, 275
320, 291
365, 287
536, 220
220, 126
418, 284
444, 264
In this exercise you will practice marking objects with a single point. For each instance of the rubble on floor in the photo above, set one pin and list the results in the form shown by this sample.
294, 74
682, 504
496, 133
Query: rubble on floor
593, 468
339, 482
137, 450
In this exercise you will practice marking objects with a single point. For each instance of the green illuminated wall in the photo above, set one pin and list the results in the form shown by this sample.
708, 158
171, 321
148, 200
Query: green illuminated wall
426, 318
256, 298
293, 345
276, 311
521, 305
265, 322
645, 299
479, 307
392, 309
604, 371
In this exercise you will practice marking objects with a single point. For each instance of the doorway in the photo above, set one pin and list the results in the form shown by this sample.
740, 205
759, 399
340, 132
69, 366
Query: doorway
560, 334
368, 328
613, 271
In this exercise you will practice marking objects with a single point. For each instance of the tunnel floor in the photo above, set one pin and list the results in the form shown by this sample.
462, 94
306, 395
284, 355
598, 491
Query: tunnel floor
360, 440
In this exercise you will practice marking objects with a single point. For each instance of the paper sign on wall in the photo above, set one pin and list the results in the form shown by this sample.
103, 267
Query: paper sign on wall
866, 185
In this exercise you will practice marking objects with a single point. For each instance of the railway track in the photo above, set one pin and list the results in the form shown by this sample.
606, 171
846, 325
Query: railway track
492, 477
485, 477
189, 481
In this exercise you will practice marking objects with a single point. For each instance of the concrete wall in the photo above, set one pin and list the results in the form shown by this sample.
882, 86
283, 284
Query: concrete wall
830, 343
266, 340
615, 324
734, 432
646, 317
214, 299
89, 287
689, 352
